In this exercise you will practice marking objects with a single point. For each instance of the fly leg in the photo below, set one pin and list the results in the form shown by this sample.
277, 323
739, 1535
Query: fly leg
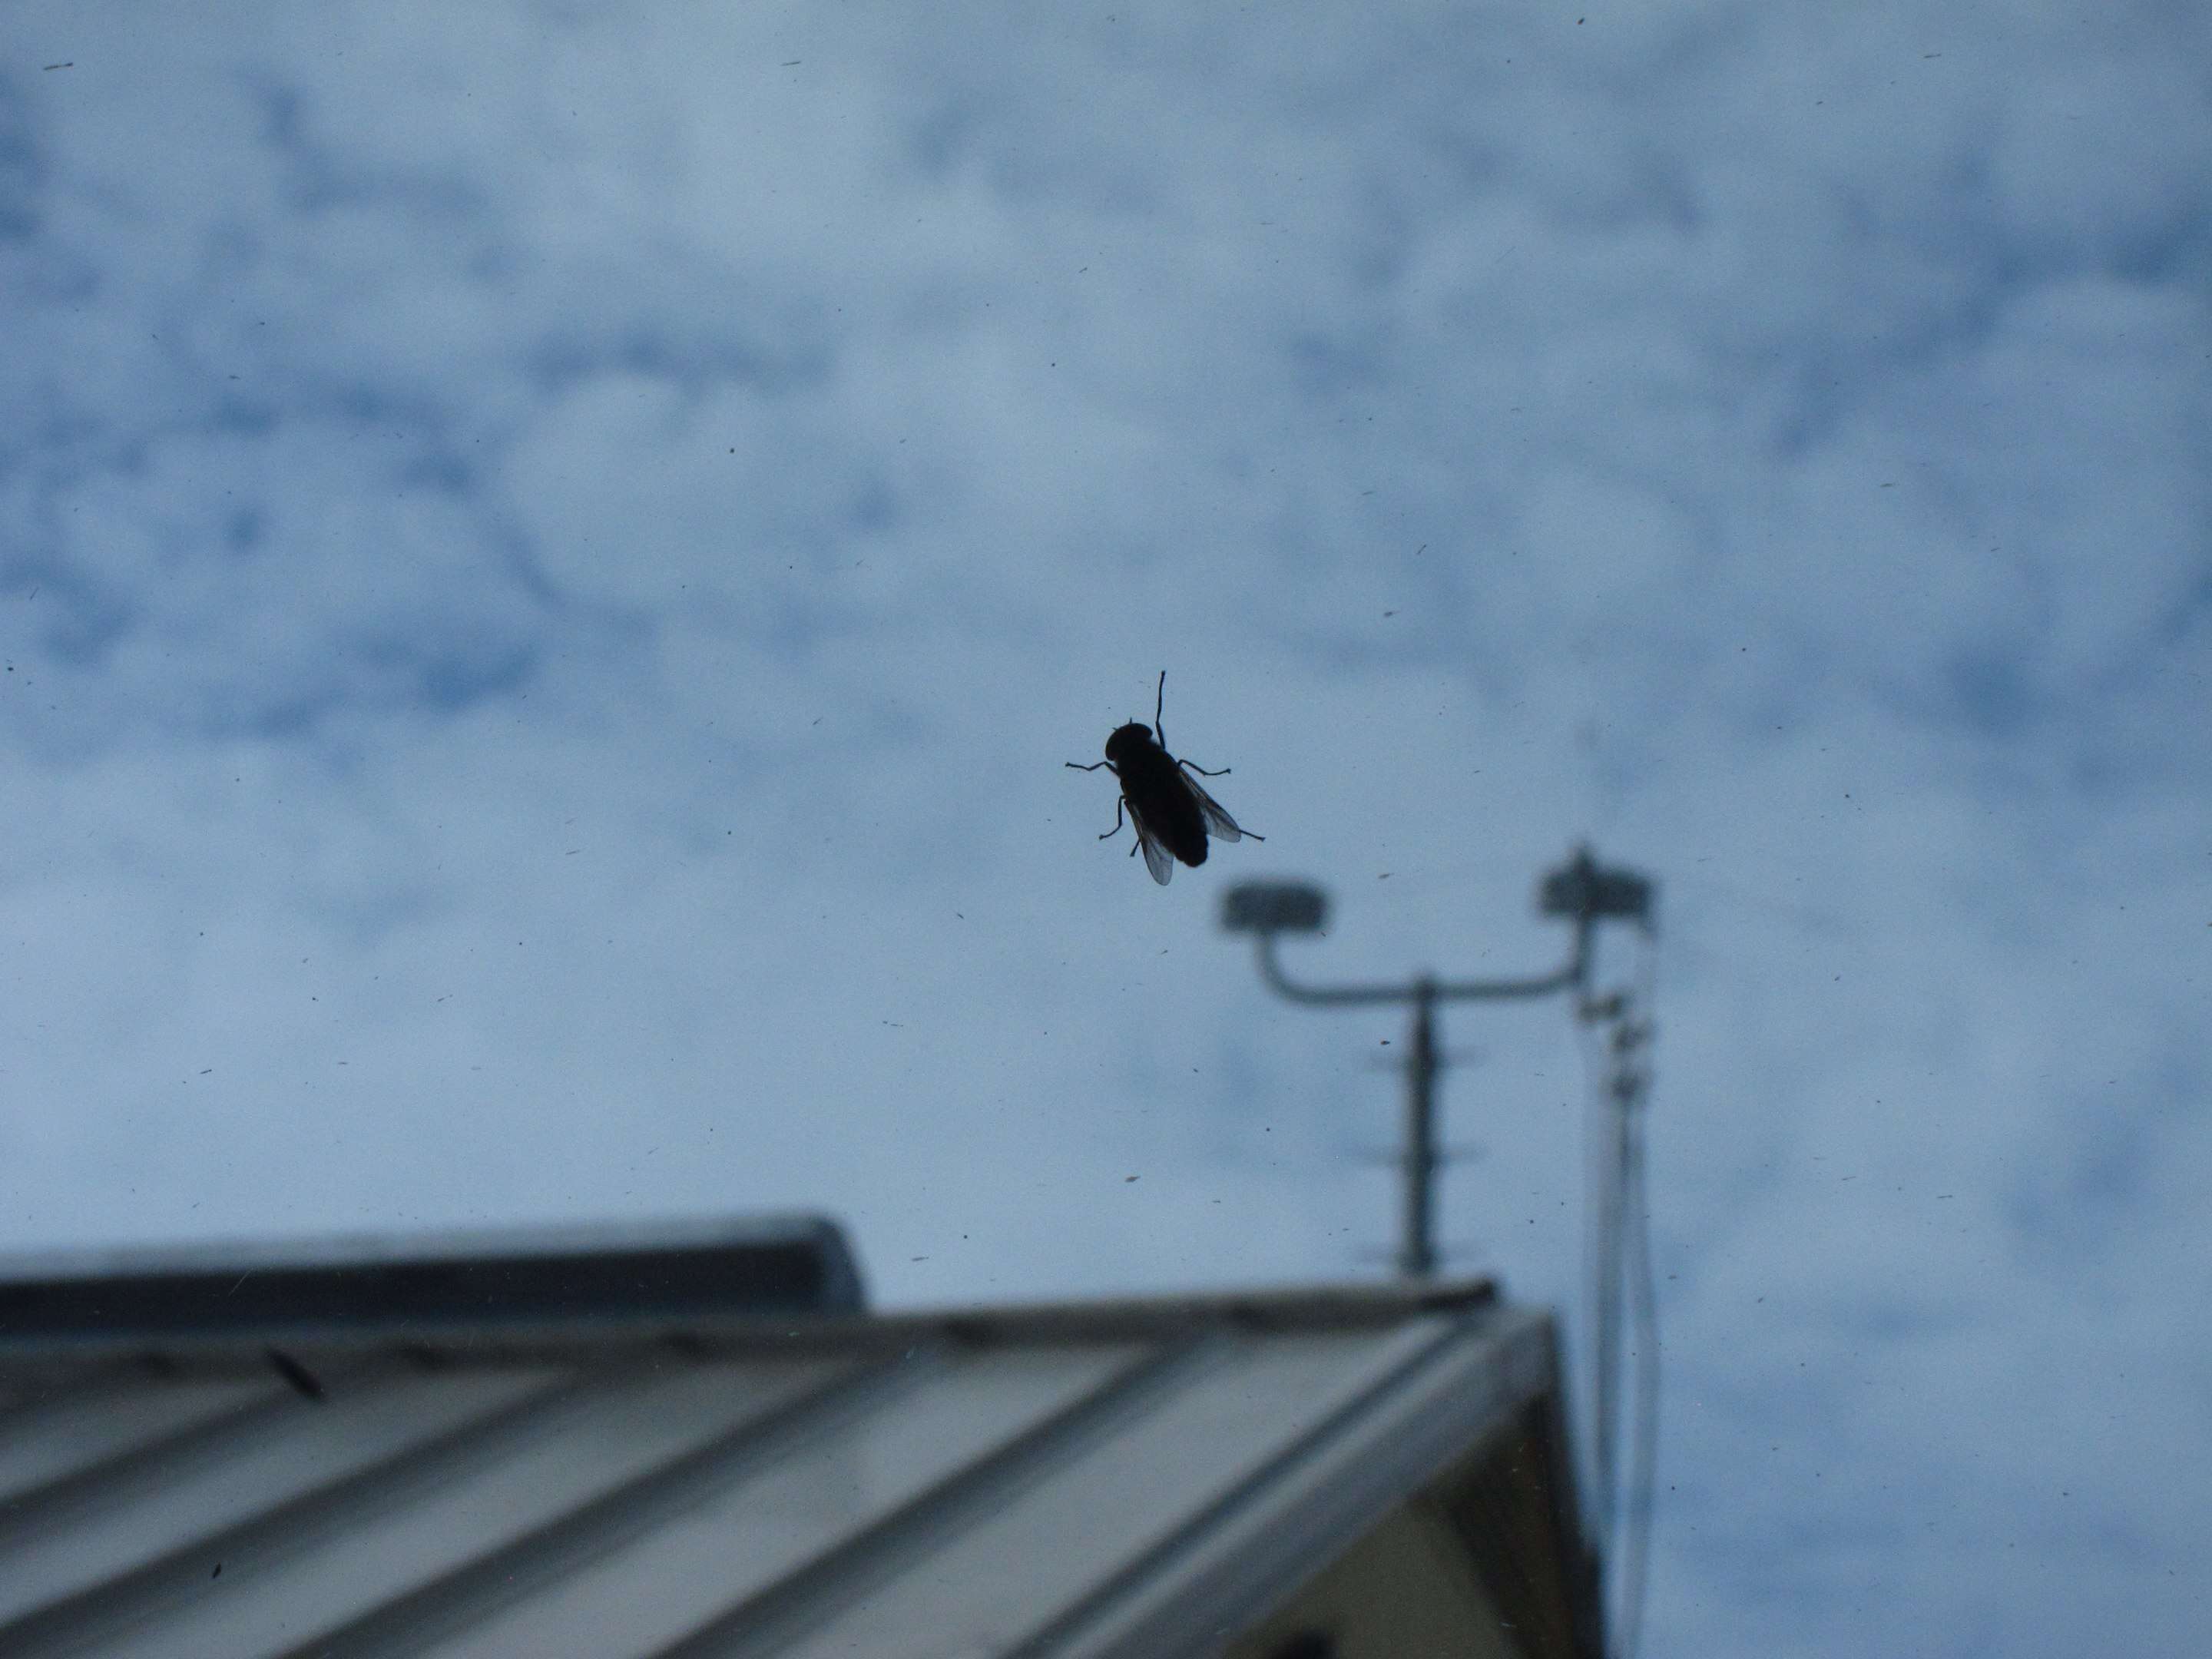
1110, 767
1201, 771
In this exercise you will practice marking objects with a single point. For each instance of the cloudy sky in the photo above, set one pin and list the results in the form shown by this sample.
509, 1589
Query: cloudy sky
550, 558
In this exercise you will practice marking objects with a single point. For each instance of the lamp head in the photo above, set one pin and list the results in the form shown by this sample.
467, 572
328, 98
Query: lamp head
1273, 907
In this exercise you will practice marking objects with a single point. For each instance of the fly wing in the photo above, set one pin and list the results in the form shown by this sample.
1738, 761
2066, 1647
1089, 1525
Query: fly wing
1218, 821
1158, 858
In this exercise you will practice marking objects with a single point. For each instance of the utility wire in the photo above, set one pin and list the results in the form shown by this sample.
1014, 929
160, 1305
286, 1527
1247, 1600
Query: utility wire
1643, 1286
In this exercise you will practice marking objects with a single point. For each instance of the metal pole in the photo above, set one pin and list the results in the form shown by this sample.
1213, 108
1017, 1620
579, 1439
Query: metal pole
1417, 1250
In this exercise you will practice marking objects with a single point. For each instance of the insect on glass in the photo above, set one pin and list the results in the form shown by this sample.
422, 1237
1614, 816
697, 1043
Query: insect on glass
1171, 811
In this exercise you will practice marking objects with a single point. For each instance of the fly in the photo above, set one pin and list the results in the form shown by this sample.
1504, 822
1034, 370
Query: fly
1169, 808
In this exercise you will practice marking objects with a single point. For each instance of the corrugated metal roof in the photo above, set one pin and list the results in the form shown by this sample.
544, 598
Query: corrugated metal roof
1126, 1479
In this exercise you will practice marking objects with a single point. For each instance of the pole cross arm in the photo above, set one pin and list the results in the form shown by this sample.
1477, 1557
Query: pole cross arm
1492, 990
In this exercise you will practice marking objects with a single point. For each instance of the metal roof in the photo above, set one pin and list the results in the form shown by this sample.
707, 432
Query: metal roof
1144, 1477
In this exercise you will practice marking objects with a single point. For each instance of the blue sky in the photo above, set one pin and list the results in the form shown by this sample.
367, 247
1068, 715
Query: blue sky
550, 556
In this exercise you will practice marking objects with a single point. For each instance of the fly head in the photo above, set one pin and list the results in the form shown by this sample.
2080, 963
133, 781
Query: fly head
1128, 742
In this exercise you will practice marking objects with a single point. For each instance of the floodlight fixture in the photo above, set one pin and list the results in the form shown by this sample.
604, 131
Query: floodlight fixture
1274, 907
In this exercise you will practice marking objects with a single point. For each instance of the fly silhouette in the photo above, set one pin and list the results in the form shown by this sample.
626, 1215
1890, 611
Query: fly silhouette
1167, 805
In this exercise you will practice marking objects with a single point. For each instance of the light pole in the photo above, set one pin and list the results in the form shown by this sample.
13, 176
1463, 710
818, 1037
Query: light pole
1577, 892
